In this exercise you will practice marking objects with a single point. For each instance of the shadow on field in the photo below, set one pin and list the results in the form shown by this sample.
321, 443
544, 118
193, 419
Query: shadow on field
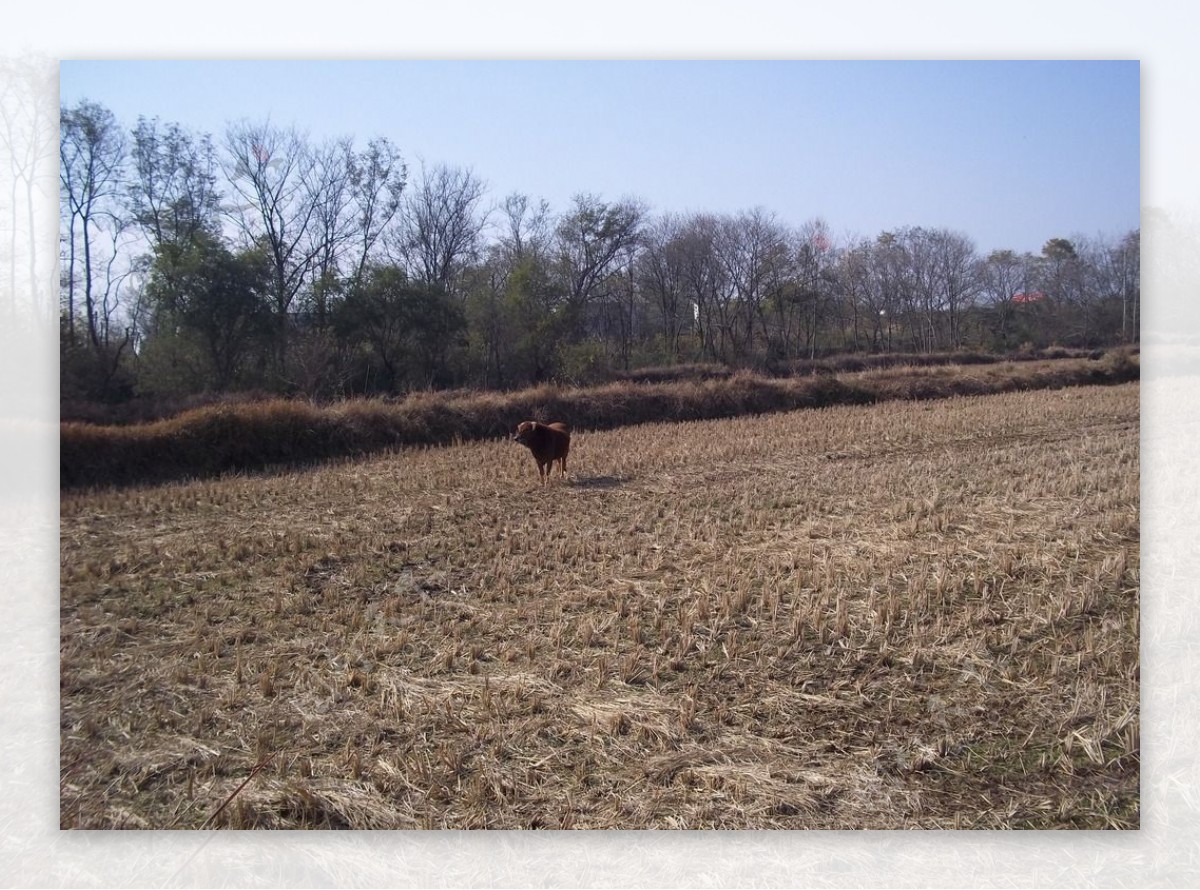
597, 481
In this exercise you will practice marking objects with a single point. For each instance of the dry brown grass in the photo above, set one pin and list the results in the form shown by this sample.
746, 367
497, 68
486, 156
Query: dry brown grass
904, 615
234, 437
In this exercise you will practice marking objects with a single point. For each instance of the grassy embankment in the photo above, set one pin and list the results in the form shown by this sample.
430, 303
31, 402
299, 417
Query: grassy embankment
250, 436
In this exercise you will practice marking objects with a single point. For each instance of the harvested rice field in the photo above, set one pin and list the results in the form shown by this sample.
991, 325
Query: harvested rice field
907, 615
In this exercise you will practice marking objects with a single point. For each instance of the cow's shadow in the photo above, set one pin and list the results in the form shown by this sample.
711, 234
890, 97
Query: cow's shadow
597, 481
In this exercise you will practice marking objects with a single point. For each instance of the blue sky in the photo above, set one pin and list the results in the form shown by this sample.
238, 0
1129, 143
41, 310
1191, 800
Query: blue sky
1010, 153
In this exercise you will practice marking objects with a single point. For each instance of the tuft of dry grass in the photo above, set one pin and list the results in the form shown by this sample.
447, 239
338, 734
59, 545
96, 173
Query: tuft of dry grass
910, 614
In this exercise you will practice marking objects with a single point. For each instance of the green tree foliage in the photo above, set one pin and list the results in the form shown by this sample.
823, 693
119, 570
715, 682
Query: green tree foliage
594, 244
173, 193
210, 312
541, 322
406, 330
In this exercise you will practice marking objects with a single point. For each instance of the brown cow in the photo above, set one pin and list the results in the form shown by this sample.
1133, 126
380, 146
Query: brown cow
548, 442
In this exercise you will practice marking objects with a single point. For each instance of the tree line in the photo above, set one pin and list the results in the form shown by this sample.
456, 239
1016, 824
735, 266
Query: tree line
266, 260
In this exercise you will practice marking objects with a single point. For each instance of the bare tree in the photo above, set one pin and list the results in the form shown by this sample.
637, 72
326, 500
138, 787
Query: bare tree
1126, 263
593, 240
660, 271
805, 285
1109, 296
704, 282
853, 277
514, 305
356, 200
441, 225
527, 229
331, 197
1004, 275
748, 247
877, 276
957, 277
377, 177
274, 176
173, 191
91, 177
922, 299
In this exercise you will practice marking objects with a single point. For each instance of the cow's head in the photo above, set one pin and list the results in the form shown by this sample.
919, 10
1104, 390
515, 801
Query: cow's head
525, 430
